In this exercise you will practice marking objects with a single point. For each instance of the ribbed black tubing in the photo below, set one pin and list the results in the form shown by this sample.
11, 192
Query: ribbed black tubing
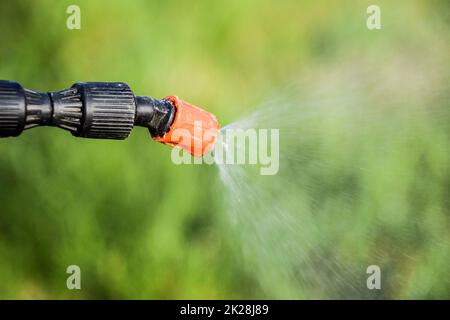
101, 110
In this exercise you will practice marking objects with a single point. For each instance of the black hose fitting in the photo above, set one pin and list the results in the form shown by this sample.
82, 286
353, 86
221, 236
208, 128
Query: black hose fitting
156, 115
103, 110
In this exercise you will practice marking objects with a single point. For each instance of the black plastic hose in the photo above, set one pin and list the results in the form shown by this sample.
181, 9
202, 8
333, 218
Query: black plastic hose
103, 110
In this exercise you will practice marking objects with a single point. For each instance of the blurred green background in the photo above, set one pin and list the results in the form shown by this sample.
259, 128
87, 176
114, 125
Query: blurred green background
142, 227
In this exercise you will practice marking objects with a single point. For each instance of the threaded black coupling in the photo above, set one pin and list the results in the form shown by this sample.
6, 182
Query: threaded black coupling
12, 109
102, 110
109, 110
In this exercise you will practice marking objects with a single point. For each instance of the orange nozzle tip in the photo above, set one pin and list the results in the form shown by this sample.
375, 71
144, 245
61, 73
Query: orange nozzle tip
193, 129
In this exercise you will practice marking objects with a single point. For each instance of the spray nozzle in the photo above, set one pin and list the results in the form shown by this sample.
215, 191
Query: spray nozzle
193, 129
106, 110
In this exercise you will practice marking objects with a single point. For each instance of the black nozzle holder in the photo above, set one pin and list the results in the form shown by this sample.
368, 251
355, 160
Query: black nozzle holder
102, 110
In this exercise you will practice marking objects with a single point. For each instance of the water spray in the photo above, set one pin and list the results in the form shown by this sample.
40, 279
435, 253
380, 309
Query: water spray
107, 110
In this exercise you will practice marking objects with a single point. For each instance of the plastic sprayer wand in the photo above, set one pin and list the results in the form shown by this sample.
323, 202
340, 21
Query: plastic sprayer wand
107, 110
